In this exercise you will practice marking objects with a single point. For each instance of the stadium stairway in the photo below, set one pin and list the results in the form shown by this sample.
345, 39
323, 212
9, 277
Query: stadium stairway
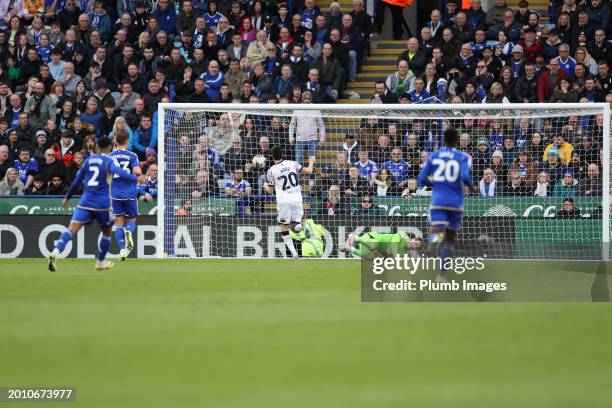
377, 66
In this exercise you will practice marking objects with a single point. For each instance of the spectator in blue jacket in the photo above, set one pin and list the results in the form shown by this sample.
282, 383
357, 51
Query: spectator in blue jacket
100, 20
213, 79
283, 85
144, 137
166, 17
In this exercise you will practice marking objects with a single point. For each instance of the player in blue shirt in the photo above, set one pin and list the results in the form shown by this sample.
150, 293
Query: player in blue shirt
96, 173
449, 169
124, 194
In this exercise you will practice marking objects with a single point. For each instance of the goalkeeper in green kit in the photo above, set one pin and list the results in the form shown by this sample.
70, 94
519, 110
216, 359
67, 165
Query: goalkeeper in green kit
376, 244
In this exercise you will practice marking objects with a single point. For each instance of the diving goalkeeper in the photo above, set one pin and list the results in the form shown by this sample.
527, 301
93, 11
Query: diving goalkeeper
376, 244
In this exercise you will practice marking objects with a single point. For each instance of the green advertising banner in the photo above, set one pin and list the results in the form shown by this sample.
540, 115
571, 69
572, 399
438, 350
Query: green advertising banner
53, 206
523, 207
212, 206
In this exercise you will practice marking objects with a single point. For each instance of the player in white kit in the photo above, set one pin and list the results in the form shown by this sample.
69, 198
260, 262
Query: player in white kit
283, 178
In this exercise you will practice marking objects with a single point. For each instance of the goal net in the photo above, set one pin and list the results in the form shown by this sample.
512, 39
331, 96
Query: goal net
542, 172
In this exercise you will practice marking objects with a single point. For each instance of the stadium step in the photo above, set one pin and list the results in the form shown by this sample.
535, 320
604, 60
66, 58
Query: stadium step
356, 86
378, 68
387, 51
390, 45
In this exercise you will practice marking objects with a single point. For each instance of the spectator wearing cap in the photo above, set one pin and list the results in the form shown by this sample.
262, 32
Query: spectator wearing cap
567, 186
530, 44
517, 61
41, 144
39, 107
553, 166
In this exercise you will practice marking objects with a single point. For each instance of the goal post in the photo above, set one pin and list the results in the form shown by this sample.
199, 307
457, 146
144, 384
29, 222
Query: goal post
527, 159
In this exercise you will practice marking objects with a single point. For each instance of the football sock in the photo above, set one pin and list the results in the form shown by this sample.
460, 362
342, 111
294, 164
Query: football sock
354, 250
131, 226
105, 244
289, 243
63, 240
446, 251
120, 237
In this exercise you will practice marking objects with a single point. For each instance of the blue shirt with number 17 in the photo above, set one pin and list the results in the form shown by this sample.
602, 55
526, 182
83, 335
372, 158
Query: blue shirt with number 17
449, 169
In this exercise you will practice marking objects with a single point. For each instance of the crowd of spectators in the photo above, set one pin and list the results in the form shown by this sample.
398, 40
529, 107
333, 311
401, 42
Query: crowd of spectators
71, 72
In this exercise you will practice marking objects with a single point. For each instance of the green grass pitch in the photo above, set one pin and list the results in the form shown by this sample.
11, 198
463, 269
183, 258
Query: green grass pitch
244, 333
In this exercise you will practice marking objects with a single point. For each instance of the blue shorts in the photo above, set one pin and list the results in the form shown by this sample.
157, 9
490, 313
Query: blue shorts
127, 208
445, 218
83, 216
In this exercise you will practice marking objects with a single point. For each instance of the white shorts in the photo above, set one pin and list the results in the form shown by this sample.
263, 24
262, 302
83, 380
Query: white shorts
290, 213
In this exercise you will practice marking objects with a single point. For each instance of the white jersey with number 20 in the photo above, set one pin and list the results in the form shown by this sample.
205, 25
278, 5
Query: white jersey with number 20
284, 176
